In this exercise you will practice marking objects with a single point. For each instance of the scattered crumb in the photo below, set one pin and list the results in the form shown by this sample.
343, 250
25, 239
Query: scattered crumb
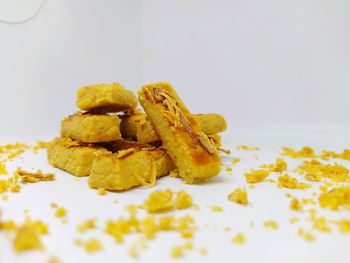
92, 245
216, 208
290, 182
29, 177
321, 225
159, 201
61, 212
183, 200
335, 198
295, 205
247, 148
271, 224
255, 176
235, 160
293, 220
27, 236
162, 200
54, 260
306, 235
87, 225
3, 168
239, 239
239, 196
178, 251
305, 152
344, 226
315, 171
280, 165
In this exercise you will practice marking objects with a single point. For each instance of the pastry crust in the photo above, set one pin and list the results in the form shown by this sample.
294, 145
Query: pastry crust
129, 168
106, 97
193, 153
72, 157
140, 128
91, 128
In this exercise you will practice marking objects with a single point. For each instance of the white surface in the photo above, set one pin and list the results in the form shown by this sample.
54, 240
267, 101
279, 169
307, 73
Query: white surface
254, 61
266, 202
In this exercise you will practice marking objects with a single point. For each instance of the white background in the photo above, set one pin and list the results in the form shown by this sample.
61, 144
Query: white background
255, 61
279, 69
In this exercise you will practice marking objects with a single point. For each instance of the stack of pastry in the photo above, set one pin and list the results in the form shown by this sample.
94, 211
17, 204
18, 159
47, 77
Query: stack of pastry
119, 147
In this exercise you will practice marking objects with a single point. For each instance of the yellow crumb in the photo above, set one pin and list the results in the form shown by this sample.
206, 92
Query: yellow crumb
149, 226
290, 182
3, 168
255, 176
92, 245
136, 246
54, 260
101, 191
344, 226
239, 196
29, 177
27, 239
247, 148
314, 170
235, 160
12, 151
271, 224
280, 165
9, 184
330, 154
239, 239
293, 220
183, 200
178, 251
54, 205
321, 224
305, 152
216, 208
8, 225
162, 200
295, 205
87, 225
306, 235
335, 198
228, 169
61, 212
159, 201
15, 188
27, 236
